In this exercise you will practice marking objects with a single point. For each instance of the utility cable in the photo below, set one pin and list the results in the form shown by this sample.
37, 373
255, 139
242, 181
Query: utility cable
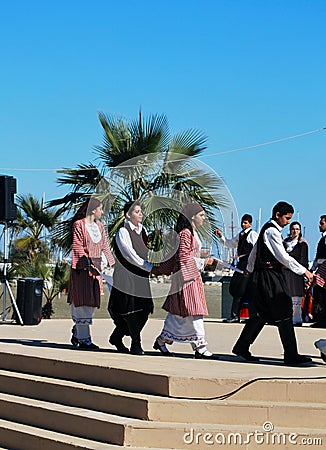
125, 166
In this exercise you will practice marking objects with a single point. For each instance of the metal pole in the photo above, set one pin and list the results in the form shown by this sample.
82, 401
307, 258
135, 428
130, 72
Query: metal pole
6, 284
259, 220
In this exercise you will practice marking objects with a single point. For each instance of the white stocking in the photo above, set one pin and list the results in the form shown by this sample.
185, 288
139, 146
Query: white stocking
296, 304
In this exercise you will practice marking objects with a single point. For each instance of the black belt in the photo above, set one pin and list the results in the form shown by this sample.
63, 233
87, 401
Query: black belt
268, 265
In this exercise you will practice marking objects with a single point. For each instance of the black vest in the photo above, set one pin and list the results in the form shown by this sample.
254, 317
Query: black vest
140, 245
321, 249
244, 247
264, 258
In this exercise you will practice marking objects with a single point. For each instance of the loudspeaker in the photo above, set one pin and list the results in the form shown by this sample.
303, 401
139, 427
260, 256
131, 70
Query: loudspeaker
8, 209
29, 300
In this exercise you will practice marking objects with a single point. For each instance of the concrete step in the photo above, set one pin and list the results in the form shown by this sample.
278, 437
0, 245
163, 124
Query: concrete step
291, 388
24, 437
86, 372
296, 389
234, 410
124, 431
15, 436
77, 394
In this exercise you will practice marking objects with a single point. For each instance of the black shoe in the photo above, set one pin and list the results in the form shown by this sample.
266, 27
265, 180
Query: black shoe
318, 325
121, 348
202, 356
136, 351
244, 320
323, 357
86, 346
233, 319
74, 341
162, 348
298, 324
297, 360
245, 354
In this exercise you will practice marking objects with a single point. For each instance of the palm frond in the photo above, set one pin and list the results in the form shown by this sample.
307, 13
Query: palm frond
139, 159
85, 178
189, 143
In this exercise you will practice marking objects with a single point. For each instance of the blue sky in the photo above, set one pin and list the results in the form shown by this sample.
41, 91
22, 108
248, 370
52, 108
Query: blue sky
243, 72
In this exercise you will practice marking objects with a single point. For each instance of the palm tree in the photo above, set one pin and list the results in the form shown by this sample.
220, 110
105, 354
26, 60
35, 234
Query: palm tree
31, 254
56, 281
33, 221
140, 160
31, 247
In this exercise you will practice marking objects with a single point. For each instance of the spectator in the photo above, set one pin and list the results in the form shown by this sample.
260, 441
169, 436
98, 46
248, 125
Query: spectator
297, 247
244, 242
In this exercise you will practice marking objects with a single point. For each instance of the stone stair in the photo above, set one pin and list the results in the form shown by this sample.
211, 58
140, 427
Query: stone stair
56, 404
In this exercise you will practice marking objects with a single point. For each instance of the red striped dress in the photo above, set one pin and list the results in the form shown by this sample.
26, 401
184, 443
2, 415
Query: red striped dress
85, 288
186, 297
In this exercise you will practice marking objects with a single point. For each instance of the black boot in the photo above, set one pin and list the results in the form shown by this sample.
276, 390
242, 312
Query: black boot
289, 342
136, 348
74, 339
136, 323
251, 330
116, 340
233, 319
235, 311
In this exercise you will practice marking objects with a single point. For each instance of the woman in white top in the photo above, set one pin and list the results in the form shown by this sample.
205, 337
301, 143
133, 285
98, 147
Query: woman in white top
297, 247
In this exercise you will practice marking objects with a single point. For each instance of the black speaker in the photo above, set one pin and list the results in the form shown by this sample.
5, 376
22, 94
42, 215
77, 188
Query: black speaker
29, 300
8, 209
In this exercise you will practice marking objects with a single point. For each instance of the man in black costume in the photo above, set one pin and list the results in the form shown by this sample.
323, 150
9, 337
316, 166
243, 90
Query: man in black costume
269, 291
319, 291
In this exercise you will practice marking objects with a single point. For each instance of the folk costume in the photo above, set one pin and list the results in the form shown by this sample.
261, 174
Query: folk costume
319, 289
243, 242
298, 249
131, 300
90, 253
186, 303
270, 294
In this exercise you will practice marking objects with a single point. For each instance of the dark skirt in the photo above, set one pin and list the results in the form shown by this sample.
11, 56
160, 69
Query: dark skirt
270, 295
84, 290
238, 285
295, 283
130, 293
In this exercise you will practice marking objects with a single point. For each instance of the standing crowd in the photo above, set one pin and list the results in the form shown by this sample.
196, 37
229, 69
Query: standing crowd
272, 276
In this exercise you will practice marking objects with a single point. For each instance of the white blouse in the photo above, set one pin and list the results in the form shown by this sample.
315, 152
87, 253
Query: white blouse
93, 231
124, 243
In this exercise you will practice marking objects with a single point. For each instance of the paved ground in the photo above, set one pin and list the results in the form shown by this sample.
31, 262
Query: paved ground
51, 339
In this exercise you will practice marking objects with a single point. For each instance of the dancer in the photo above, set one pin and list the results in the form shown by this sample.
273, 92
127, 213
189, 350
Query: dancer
244, 242
297, 247
90, 254
273, 303
186, 304
131, 300
318, 290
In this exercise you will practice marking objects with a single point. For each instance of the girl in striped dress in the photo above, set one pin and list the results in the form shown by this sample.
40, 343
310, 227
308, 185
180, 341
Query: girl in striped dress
186, 303
90, 254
